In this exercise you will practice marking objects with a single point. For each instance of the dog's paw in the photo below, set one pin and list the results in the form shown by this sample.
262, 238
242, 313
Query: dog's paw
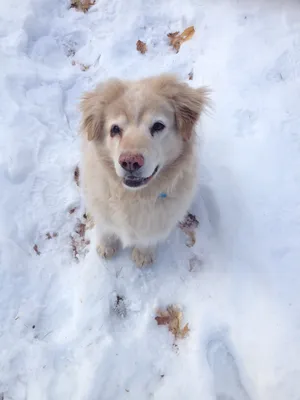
142, 257
106, 251
108, 245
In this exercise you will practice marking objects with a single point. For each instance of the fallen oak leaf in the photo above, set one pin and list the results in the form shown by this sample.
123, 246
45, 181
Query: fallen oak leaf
176, 39
82, 5
172, 317
141, 47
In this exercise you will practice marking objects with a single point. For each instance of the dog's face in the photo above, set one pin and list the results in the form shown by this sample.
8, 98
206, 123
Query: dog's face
140, 135
142, 126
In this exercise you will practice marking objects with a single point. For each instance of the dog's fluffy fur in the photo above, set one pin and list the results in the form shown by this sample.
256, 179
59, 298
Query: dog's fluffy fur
139, 217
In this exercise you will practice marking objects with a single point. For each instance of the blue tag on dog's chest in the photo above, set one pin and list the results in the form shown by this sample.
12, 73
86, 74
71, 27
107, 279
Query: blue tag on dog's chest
162, 195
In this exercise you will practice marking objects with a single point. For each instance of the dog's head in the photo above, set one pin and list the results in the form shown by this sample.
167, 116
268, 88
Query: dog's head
142, 126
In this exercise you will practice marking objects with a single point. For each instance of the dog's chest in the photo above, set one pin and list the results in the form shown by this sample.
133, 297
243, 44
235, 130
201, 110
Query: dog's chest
139, 218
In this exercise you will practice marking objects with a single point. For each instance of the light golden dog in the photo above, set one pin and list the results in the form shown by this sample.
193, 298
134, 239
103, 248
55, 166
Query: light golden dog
139, 164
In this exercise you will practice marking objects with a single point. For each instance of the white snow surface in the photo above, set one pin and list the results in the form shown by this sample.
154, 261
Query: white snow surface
60, 335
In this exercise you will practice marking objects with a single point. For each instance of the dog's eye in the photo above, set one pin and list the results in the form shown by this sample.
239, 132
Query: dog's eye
115, 130
157, 127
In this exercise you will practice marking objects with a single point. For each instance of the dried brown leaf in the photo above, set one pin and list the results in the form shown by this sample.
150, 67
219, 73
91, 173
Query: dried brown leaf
172, 317
82, 5
176, 39
163, 320
141, 46
36, 249
173, 35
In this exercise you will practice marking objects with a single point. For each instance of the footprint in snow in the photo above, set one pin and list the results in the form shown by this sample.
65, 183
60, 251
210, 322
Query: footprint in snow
20, 164
226, 376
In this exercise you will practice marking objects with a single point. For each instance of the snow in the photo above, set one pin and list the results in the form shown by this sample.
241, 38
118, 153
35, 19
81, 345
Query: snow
61, 335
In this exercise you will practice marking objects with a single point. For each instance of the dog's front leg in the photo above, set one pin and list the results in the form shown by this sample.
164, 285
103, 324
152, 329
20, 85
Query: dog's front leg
143, 255
107, 244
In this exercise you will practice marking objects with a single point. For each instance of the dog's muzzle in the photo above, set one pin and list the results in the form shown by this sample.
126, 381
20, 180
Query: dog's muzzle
136, 181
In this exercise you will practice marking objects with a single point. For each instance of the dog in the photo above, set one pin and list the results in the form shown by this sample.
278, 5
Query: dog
139, 160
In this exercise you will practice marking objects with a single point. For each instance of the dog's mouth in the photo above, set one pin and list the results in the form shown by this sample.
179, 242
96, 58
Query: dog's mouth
135, 181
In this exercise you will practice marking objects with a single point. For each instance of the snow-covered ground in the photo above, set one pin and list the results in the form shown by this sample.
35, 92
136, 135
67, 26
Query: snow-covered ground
62, 335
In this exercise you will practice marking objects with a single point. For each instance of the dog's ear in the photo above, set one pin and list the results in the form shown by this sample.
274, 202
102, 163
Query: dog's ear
187, 102
93, 106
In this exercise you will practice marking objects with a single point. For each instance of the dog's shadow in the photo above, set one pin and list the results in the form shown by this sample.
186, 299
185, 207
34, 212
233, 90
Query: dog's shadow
208, 209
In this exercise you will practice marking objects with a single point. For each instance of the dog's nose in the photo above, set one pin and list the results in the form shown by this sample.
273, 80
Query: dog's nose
131, 162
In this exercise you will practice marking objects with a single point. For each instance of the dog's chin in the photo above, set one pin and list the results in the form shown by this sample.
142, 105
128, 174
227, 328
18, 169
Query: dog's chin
134, 182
